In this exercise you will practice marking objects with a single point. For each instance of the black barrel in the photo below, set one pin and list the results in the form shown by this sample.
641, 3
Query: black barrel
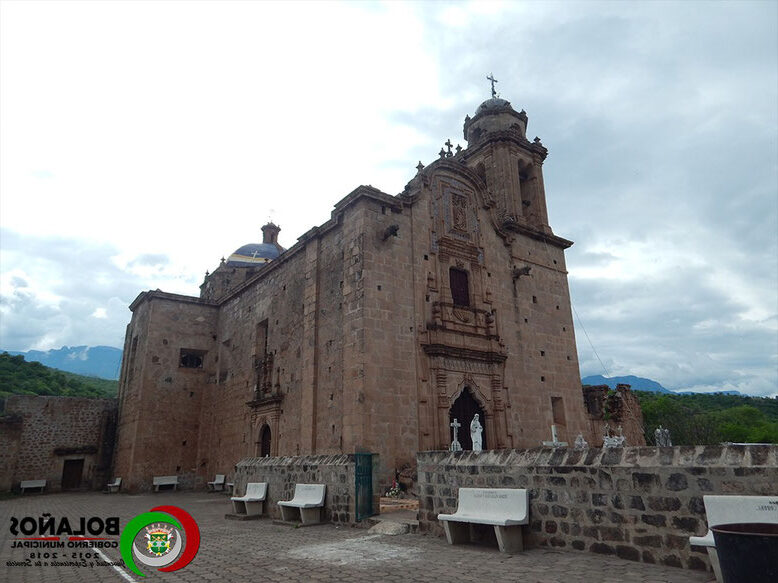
748, 553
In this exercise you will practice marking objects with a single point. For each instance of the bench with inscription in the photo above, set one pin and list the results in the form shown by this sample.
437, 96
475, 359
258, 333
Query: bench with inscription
27, 484
114, 486
253, 503
506, 509
307, 502
164, 481
217, 484
731, 510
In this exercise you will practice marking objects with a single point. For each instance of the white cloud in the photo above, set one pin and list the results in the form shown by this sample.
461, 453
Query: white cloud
141, 142
100, 313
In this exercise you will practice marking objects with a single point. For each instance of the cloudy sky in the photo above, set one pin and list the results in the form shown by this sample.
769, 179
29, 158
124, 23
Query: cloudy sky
141, 141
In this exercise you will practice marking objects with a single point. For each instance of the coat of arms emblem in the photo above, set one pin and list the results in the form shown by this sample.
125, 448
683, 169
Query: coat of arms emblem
158, 539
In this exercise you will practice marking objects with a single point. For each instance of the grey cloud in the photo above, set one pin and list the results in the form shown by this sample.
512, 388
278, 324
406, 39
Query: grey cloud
661, 122
151, 260
678, 330
27, 318
593, 259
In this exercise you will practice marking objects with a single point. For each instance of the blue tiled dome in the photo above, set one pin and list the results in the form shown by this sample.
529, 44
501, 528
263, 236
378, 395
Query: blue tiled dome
253, 254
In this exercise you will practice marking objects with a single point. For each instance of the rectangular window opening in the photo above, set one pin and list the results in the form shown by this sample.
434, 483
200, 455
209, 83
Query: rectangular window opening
191, 358
558, 410
260, 346
460, 290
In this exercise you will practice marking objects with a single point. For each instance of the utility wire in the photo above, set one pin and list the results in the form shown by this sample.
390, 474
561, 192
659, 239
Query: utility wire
607, 374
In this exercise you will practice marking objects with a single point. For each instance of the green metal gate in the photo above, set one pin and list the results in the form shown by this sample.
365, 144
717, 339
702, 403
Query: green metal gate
363, 471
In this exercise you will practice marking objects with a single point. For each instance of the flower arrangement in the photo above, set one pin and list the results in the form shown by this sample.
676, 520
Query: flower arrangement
394, 491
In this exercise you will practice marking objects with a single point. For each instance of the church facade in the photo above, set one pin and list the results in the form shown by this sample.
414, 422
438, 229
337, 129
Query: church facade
373, 332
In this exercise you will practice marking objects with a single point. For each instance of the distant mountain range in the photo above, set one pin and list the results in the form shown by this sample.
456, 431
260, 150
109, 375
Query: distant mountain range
105, 361
92, 361
638, 384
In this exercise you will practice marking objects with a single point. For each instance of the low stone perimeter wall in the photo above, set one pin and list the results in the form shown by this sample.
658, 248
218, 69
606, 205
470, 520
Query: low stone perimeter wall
55, 439
638, 503
282, 473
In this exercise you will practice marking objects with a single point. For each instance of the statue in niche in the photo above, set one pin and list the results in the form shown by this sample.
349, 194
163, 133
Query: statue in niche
459, 212
476, 433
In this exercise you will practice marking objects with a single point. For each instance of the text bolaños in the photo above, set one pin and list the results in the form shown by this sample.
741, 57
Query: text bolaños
47, 524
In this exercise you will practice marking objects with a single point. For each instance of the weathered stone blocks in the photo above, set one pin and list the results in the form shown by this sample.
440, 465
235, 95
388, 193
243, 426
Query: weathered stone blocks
282, 473
642, 507
40, 433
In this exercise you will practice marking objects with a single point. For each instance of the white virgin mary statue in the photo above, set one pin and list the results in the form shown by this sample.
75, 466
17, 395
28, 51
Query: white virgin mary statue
476, 433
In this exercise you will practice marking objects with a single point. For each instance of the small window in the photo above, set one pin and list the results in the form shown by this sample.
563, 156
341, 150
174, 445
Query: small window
191, 358
460, 290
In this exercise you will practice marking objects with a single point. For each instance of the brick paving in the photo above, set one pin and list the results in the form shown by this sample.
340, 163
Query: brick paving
262, 551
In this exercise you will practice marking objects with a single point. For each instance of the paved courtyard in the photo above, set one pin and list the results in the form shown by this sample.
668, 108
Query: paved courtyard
260, 551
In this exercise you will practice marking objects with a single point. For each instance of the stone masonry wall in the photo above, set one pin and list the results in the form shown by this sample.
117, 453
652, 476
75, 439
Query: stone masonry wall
159, 398
10, 438
50, 430
639, 503
282, 473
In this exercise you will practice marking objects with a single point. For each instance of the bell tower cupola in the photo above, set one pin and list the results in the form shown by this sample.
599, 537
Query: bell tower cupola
492, 116
509, 164
270, 233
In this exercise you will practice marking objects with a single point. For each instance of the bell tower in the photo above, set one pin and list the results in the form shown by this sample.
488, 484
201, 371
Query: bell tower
510, 165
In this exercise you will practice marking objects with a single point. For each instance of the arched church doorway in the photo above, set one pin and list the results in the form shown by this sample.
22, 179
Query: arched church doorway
264, 441
464, 409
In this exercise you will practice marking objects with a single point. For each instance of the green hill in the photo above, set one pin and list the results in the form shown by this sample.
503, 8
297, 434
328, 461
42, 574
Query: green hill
703, 418
18, 377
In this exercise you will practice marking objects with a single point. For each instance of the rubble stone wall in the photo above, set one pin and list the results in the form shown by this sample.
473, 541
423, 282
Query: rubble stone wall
637, 503
44, 432
282, 473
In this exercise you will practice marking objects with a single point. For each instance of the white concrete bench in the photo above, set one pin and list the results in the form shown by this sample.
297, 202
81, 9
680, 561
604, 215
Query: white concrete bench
114, 486
504, 508
165, 481
26, 484
307, 502
733, 510
253, 503
217, 484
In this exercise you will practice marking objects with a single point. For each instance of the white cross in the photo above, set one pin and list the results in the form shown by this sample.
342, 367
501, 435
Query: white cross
455, 446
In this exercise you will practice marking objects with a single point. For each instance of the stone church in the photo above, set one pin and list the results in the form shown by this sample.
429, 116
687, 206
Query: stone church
372, 332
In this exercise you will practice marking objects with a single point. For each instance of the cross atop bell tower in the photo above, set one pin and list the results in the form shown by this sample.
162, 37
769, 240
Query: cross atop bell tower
493, 80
